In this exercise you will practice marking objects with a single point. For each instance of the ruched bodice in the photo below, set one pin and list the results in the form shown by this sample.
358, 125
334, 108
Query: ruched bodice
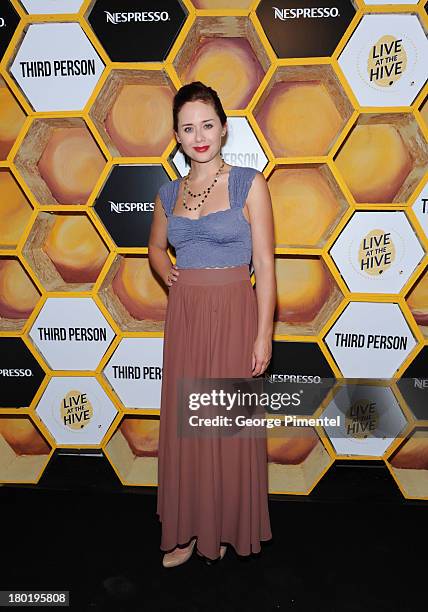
218, 239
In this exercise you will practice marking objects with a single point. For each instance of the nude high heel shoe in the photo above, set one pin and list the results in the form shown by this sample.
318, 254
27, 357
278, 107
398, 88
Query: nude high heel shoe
179, 555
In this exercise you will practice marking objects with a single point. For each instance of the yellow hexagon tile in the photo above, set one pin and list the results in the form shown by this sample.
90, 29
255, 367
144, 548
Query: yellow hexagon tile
60, 161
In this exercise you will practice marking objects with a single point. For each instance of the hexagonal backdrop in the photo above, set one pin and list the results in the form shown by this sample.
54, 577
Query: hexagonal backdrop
307, 204
134, 295
15, 210
24, 451
329, 100
56, 66
133, 450
413, 385
226, 54
20, 373
126, 202
300, 371
420, 208
409, 466
76, 410
383, 158
19, 295
141, 31
49, 7
132, 112
60, 160
9, 19
65, 251
384, 60
370, 340
369, 420
302, 110
297, 459
377, 252
307, 295
309, 29
418, 303
134, 371
12, 118
71, 333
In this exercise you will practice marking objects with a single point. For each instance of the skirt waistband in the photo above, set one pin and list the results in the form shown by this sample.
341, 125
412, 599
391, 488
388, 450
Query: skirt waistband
212, 276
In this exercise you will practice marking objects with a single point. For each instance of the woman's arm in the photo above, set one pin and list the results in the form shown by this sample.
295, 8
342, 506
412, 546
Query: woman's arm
158, 244
261, 217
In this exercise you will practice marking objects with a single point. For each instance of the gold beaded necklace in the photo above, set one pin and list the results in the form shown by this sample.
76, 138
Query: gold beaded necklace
186, 190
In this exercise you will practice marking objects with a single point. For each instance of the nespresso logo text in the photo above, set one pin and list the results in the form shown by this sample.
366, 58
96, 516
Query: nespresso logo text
120, 207
140, 16
305, 13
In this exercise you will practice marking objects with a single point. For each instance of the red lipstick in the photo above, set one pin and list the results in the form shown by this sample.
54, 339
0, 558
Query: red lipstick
201, 149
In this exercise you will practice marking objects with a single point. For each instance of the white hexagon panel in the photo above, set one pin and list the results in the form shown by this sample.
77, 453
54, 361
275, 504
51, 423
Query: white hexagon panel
370, 340
369, 420
420, 208
241, 148
135, 372
385, 60
56, 67
377, 252
51, 7
71, 333
76, 410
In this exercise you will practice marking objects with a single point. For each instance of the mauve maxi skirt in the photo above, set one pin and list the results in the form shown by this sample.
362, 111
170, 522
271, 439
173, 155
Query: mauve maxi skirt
212, 488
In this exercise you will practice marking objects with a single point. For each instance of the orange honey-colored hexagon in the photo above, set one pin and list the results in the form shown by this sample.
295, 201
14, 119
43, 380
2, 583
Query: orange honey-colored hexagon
18, 295
304, 206
413, 454
71, 164
140, 120
374, 162
15, 210
417, 300
12, 118
138, 290
293, 447
303, 287
142, 436
299, 119
23, 437
228, 65
75, 248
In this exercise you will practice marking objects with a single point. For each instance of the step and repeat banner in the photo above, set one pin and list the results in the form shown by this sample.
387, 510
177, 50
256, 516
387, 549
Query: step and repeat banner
329, 100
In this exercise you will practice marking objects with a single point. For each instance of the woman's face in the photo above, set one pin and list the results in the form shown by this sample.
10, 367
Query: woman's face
200, 130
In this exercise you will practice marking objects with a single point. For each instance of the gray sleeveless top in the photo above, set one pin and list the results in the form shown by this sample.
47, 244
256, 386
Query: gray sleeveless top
218, 239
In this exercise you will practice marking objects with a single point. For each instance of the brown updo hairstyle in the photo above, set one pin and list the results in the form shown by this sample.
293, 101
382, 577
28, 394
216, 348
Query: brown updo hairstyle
190, 93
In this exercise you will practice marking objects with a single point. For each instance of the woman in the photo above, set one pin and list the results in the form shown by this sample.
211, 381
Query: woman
212, 491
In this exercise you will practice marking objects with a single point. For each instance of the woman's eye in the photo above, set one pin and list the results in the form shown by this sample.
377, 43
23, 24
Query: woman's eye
209, 125
187, 128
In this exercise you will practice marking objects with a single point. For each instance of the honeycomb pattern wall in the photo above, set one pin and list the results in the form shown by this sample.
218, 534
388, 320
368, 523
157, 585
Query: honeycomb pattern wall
329, 101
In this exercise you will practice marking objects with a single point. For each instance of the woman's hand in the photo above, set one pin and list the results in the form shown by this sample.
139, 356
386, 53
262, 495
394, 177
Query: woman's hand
172, 275
262, 353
